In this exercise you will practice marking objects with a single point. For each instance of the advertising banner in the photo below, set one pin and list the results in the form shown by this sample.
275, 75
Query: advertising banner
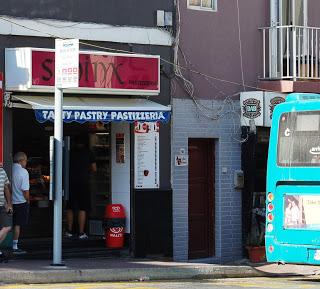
146, 155
302, 212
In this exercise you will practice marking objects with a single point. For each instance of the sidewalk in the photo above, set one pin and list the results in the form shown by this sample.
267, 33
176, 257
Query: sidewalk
130, 269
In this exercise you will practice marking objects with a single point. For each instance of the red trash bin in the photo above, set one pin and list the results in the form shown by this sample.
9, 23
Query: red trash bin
115, 219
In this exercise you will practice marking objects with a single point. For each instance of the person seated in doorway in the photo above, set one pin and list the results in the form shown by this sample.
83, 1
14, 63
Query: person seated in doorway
82, 163
20, 198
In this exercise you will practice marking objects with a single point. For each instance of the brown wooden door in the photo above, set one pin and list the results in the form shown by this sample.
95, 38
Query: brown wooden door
201, 198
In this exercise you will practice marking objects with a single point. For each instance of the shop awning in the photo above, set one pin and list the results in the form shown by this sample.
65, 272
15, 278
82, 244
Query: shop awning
83, 109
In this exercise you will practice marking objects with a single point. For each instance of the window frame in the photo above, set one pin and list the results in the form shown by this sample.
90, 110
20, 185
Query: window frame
293, 115
214, 7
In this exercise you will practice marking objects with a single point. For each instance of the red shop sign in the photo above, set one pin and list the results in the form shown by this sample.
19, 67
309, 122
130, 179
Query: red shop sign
103, 71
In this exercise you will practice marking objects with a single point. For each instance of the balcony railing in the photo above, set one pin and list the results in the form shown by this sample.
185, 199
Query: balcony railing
291, 52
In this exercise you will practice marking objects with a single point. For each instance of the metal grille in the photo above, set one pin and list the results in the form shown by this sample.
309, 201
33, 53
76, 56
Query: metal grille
96, 228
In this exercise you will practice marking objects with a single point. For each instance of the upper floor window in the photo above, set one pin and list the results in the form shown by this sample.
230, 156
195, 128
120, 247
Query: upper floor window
210, 5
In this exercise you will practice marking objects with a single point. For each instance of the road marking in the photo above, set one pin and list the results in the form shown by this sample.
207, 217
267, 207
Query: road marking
124, 285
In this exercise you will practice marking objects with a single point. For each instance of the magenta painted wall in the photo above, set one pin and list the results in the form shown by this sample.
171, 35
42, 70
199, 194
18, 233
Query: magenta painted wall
210, 40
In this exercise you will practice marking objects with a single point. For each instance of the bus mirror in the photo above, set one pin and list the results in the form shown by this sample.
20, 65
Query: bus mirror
238, 179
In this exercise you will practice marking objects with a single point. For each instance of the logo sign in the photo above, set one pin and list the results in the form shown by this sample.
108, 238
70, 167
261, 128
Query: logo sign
115, 209
67, 63
251, 107
315, 150
116, 230
102, 72
271, 100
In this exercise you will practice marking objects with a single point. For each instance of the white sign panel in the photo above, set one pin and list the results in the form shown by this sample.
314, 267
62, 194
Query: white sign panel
146, 155
67, 63
271, 99
251, 103
181, 160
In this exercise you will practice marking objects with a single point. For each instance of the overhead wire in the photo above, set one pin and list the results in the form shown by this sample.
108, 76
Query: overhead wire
131, 52
240, 46
177, 69
227, 105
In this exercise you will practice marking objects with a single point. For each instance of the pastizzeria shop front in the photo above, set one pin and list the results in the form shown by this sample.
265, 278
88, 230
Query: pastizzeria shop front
110, 113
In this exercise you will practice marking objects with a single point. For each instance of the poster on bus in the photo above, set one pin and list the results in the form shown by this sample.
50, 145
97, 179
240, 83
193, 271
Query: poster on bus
302, 212
146, 155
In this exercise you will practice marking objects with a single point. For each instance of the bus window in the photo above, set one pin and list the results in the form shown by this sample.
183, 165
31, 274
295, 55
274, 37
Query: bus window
299, 139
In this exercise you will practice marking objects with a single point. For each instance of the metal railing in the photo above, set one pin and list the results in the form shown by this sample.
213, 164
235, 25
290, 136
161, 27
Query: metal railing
291, 52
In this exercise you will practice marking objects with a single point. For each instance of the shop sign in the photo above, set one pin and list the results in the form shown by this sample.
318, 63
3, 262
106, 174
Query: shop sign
67, 63
251, 108
32, 69
146, 155
82, 116
271, 99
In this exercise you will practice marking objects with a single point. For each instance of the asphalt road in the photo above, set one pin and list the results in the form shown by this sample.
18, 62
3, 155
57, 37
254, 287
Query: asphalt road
283, 283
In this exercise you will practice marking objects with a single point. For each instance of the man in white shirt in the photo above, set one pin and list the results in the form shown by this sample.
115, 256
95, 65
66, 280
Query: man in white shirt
20, 197
5, 209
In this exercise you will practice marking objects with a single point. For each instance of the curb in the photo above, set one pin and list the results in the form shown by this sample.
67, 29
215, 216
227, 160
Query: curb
128, 274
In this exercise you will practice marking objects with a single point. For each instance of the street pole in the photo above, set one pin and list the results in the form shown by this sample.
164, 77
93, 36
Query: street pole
58, 137
66, 75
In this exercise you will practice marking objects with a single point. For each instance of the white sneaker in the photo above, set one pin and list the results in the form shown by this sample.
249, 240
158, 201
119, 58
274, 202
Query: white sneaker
83, 236
68, 234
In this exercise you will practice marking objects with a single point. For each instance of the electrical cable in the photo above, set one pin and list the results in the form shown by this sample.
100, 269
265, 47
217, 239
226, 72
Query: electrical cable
240, 46
189, 87
130, 52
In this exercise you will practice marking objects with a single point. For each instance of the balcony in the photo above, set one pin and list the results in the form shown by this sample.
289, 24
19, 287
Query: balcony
290, 58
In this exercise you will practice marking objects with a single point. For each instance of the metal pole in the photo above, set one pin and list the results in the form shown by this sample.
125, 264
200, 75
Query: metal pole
58, 138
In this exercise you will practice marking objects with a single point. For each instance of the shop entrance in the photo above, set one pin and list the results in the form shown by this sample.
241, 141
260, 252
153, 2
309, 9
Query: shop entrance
32, 138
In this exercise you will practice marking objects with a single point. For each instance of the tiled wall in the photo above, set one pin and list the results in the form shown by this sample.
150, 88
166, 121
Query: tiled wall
188, 122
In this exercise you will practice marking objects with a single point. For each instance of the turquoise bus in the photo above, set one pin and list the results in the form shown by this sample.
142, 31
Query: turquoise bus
293, 181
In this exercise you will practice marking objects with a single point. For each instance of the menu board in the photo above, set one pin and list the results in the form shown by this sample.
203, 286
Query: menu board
146, 155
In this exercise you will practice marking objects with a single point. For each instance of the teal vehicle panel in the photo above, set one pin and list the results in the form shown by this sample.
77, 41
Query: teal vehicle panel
298, 243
